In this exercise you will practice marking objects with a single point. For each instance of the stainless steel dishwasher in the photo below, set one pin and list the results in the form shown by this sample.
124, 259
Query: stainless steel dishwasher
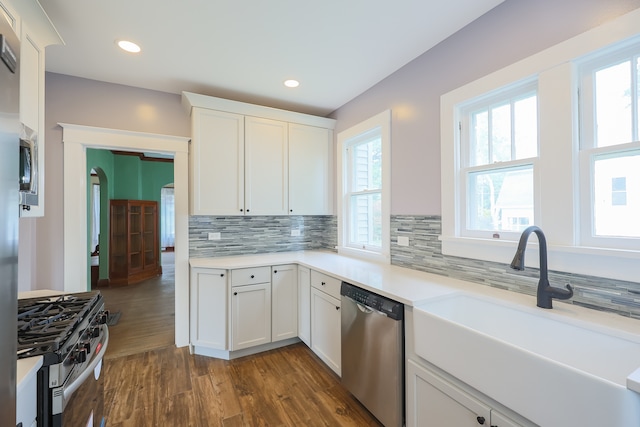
373, 352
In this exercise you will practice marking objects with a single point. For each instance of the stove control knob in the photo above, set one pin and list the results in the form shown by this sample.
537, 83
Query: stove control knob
86, 346
80, 356
103, 317
94, 333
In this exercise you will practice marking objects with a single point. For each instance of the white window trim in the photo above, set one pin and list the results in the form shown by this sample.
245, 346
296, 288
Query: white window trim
587, 163
383, 121
589, 150
557, 100
499, 96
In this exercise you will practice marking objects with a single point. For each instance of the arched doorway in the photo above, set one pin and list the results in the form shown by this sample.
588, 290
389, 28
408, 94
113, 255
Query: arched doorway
98, 220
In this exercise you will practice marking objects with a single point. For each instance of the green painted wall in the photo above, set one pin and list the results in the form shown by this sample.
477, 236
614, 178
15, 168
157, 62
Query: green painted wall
156, 175
121, 177
128, 177
103, 162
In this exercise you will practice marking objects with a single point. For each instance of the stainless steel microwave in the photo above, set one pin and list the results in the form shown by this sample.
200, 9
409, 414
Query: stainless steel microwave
28, 168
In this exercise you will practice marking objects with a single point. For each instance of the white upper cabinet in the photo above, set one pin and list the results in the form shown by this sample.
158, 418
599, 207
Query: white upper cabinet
216, 164
31, 81
36, 31
310, 170
266, 167
252, 160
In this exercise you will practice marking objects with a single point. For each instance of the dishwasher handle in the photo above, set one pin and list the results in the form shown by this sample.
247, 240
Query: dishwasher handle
372, 301
363, 308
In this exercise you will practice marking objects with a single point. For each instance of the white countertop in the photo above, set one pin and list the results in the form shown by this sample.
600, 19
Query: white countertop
407, 286
26, 369
412, 287
39, 293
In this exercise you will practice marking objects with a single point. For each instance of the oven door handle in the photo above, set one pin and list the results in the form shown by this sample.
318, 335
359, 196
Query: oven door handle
71, 388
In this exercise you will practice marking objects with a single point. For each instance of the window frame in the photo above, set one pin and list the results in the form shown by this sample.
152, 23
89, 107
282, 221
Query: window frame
465, 111
559, 181
628, 50
345, 139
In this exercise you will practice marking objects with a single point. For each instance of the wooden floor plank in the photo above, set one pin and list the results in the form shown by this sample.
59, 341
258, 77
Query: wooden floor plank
150, 382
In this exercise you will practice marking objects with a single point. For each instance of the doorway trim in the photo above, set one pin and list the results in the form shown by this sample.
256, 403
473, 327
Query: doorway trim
76, 139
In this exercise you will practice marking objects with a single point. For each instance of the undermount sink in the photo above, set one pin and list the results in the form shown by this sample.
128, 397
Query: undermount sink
551, 368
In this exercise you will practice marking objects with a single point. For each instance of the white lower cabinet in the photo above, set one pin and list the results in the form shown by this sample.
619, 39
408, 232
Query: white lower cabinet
284, 302
433, 401
304, 305
209, 314
241, 308
250, 315
325, 329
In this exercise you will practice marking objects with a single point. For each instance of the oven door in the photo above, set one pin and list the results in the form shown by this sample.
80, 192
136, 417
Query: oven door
83, 393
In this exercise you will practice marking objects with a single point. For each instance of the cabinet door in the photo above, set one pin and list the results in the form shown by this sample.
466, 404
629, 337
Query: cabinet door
310, 151
135, 237
150, 230
118, 240
209, 308
266, 167
284, 302
434, 402
304, 305
32, 54
325, 329
216, 160
250, 315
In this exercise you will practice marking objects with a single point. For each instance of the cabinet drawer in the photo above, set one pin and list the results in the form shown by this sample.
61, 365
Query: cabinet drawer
325, 283
250, 276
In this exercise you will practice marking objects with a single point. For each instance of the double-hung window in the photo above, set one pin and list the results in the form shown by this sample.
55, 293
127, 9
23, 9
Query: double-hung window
498, 152
610, 149
552, 140
363, 216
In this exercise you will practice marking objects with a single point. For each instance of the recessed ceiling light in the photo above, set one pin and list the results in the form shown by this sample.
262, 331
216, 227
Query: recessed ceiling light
128, 46
291, 83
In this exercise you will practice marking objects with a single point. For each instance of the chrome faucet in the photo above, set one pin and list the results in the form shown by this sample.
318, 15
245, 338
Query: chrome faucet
546, 292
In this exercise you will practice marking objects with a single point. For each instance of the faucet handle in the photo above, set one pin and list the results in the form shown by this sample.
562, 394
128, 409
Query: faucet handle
564, 294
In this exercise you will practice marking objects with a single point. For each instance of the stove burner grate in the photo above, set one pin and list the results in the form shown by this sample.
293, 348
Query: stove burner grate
45, 324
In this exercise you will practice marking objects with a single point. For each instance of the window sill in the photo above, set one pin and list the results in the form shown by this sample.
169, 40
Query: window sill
363, 254
599, 262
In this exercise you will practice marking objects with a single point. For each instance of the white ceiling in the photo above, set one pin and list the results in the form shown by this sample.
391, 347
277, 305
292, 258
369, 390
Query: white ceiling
245, 49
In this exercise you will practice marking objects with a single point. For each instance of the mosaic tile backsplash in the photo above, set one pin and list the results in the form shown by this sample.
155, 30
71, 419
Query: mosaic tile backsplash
424, 253
251, 235
241, 235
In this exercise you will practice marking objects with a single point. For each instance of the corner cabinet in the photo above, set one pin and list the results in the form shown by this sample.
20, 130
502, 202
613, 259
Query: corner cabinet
209, 296
134, 249
251, 160
304, 305
244, 311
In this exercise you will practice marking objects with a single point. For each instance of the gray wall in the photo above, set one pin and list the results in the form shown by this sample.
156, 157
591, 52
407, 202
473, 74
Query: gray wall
512, 31
87, 102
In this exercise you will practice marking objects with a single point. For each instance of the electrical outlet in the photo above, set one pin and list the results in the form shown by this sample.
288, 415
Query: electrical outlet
295, 233
403, 241
214, 236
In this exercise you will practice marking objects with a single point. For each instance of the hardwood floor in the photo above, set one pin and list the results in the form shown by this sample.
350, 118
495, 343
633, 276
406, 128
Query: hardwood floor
148, 313
150, 382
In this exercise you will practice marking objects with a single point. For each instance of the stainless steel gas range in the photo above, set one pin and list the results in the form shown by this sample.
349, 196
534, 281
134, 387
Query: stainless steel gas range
70, 333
